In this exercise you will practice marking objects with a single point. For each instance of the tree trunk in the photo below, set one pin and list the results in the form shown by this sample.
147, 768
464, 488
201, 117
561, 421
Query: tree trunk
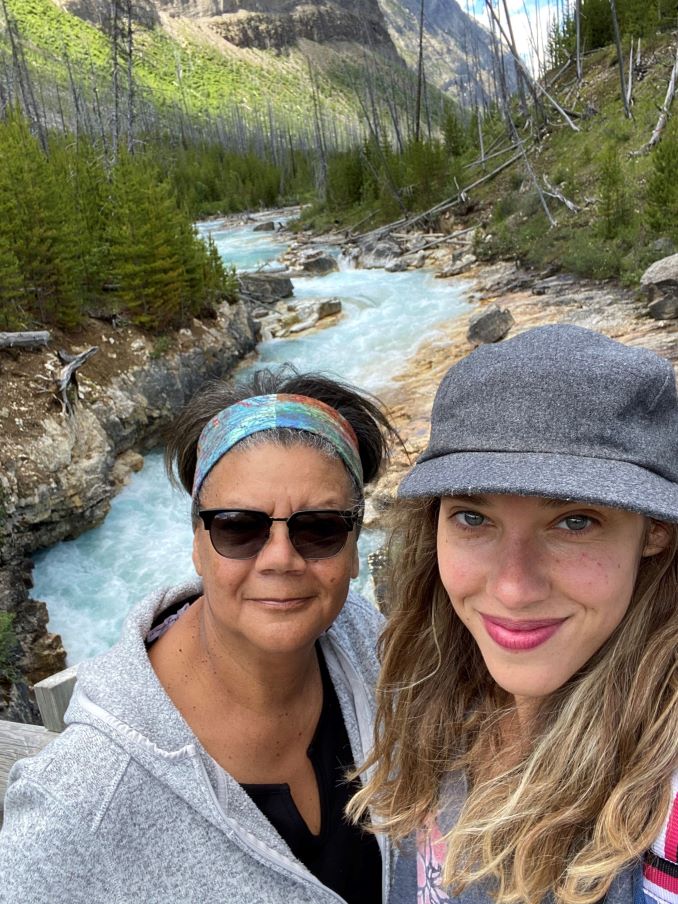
34, 339
577, 21
420, 72
620, 57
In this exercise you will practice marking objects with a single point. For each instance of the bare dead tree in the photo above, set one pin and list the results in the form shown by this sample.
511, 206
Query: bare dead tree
420, 72
629, 83
321, 172
24, 79
556, 193
620, 57
520, 82
663, 113
28, 339
129, 70
537, 85
577, 25
67, 378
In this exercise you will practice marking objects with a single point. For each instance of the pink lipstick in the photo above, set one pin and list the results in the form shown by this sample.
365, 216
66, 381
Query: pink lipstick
513, 634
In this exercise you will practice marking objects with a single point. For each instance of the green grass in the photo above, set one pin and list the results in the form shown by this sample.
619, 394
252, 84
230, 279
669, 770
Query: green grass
584, 242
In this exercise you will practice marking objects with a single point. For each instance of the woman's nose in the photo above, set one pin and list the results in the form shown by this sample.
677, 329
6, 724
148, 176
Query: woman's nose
278, 553
519, 574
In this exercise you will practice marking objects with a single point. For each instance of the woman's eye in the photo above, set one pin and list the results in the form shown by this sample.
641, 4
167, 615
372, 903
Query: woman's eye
576, 522
469, 519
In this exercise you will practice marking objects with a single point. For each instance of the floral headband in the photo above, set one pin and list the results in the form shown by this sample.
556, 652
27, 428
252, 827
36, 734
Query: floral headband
267, 412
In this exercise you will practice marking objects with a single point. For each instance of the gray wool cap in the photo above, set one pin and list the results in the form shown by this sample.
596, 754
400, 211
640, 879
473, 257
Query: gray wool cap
560, 412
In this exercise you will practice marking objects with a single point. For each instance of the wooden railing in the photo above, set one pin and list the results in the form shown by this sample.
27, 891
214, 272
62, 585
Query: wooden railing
18, 740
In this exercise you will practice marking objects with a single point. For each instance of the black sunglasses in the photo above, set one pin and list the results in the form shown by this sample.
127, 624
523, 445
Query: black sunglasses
243, 533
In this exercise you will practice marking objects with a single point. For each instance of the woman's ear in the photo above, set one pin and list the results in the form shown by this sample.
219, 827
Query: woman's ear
197, 561
656, 539
355, 563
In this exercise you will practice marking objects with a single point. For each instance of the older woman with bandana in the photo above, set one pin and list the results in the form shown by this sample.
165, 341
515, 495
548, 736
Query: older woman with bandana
205, 755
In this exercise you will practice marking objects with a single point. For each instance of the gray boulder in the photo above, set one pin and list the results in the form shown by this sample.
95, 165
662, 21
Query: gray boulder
264, 288
660, 282
318, 263
663, 274
268, 226
418, 261
489, 325
665, 308
375, 253
460, 264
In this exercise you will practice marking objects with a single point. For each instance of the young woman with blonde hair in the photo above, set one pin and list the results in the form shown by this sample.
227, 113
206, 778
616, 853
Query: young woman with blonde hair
527, 730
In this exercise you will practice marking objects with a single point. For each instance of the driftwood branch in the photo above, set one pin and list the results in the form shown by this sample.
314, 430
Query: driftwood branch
553, 192
36, 339
664, 113
67, 376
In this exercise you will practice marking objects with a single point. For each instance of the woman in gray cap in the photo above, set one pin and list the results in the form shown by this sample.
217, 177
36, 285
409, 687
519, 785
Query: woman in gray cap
527, 732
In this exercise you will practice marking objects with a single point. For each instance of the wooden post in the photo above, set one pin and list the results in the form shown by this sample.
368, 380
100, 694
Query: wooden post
53, 695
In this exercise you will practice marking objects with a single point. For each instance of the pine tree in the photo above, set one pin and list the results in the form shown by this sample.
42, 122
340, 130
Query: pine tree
39, 228
164, 272
12, 314
455, 135
613, 198
662, 189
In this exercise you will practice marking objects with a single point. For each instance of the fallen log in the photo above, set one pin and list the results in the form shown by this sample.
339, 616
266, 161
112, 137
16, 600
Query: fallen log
382, 231
68, 377
28, 339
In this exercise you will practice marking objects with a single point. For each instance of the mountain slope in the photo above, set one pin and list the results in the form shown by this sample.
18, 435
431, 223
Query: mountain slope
286, 63
457, 49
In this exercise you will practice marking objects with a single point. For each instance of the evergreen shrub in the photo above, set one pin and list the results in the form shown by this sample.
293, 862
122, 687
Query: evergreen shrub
8, 643
662, 188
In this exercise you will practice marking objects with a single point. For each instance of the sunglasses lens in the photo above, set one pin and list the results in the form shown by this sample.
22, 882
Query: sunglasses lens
239, 535
318, 535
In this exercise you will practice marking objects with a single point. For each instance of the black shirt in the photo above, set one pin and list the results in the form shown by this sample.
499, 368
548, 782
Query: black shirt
342, 856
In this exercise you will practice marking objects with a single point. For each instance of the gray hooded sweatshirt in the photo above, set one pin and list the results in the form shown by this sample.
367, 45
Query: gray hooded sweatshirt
126, 805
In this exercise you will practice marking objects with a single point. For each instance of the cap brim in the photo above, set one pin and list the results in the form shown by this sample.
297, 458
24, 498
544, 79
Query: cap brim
595, 480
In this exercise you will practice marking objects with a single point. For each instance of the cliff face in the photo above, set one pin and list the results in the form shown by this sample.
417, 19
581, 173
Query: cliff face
273, 25
323, 23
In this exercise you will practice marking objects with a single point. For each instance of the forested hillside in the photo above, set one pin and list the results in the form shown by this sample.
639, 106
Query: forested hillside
106, 166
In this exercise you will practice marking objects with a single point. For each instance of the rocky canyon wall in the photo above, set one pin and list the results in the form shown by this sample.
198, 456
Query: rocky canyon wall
59, 471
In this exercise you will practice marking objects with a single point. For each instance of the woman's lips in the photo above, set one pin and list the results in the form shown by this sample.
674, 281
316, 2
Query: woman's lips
292, 602
512, 634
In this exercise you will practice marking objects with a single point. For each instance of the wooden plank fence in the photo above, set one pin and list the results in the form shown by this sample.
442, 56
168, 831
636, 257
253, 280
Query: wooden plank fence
18, 740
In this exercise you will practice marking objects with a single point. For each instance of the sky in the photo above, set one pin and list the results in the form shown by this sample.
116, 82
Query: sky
530, 20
